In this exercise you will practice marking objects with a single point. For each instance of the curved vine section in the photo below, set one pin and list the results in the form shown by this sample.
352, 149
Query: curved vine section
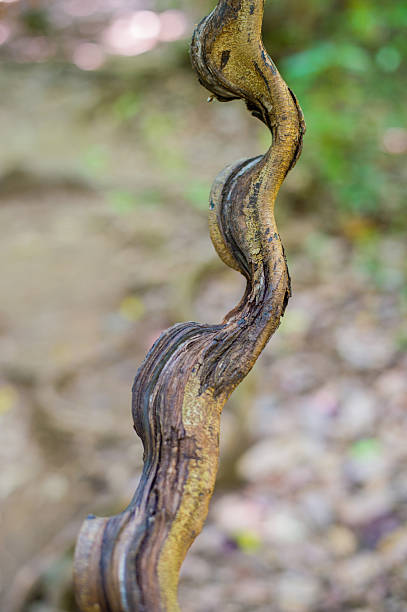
131, 562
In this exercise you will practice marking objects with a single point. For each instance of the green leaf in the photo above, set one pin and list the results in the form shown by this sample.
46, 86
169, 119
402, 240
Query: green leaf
366, 448
248, 541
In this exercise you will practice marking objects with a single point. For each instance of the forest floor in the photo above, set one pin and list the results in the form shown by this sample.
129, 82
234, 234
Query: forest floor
103, 244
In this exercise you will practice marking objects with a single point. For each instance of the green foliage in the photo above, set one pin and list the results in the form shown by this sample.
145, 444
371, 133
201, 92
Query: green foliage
95, 160
124, 201
248, 541
196, 192
347, 67
366, 448
35, 21
127, 106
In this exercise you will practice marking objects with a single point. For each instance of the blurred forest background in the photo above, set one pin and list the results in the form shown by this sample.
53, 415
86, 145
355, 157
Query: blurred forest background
109, 150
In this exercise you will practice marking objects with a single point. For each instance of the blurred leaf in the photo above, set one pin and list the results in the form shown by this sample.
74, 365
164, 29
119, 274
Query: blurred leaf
127, 106
8, 398
95, 160
359, 229
310, 62
132, 308
36, 20
353, 58
248, 541
363, 19
388, 58
122, 201
325, 55
366, 448
151, 198
197, 194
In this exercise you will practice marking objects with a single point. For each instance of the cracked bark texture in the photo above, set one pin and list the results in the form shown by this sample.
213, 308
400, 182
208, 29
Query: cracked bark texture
131, 562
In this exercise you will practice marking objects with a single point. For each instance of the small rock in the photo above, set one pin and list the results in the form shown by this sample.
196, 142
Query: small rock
357, 413
254, 593
365, 349
296, 592
283, 527
366, 506
372, 532
233, 513
392, 383
209, 541
341, 541
301, 372
317, 508
195, 569
356, 573
55, 487
272, 458
318, 410
367, 463
394, 546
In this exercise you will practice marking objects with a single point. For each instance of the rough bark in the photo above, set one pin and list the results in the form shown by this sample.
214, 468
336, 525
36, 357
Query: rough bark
131, 562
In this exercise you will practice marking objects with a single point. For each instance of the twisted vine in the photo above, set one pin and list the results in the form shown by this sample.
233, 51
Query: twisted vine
131, 562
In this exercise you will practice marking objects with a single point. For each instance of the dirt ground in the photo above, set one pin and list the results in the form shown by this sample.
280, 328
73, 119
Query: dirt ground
103, 244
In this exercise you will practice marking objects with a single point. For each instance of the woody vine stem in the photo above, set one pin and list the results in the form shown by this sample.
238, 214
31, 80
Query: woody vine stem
131, 562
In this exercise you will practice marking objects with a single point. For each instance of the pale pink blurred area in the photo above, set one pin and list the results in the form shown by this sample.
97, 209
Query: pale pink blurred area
395, 140
133, 34
4, 33
78, 8
88, 33
88, 56
143, 30
33, 48
173, 25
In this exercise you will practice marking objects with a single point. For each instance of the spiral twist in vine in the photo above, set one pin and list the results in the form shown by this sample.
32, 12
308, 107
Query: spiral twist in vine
131, 562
